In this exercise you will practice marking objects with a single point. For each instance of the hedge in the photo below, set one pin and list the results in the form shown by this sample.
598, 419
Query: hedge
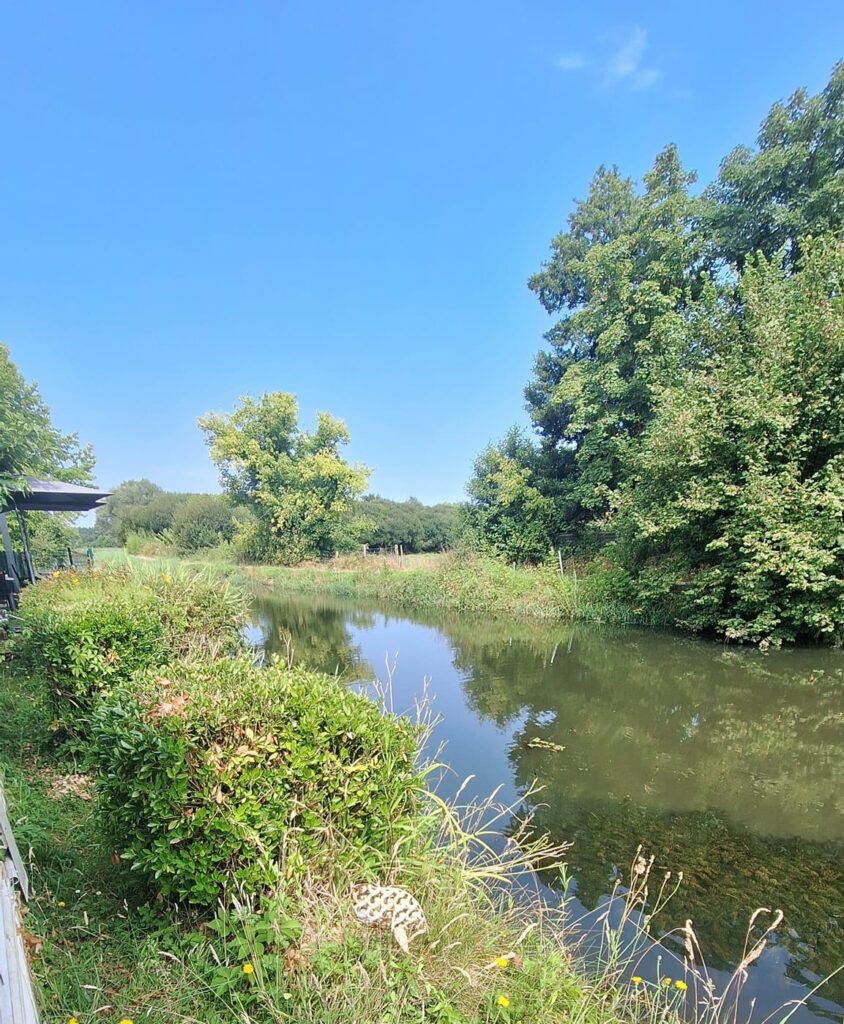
218, 773
88, 631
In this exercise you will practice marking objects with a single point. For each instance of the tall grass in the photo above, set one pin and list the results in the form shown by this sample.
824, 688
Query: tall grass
591, 592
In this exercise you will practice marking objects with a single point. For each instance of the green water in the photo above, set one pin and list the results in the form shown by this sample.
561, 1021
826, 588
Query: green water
728, 765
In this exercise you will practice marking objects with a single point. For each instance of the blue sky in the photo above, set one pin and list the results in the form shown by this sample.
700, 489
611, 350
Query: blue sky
203, 200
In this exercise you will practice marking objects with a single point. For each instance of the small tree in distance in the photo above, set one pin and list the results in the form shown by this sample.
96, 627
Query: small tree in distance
301, 490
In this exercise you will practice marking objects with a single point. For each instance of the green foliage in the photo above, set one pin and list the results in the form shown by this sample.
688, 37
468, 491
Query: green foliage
203, 521
50, 535
415, 526
791, 187
298, 486
622, 274
88, 631
123, 510
29, 443
506, 511
225, 774
139, 514
733, 511
686, 400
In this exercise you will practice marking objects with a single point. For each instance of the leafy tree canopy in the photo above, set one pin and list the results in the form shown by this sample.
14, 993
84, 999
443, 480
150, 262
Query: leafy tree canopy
29, 443
732, 510
791, 186
298, 485
622, 275
689, 398
506, 510
415, 526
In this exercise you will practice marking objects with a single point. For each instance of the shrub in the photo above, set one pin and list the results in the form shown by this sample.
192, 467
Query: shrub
226, 774
203, 521
88, 631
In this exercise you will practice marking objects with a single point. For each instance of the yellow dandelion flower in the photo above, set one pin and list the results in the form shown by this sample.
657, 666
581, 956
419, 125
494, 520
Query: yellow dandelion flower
681, 985
503, 1001
125, 1020
166, 578
636, 979
501, 961
666, 982
72, 1020
248, 969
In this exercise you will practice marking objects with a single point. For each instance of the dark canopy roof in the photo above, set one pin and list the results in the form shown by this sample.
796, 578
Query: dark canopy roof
52, 496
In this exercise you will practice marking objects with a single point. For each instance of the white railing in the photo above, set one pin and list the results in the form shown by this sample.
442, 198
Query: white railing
17, 998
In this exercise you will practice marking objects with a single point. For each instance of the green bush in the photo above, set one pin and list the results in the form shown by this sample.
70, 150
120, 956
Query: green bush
88, 631
226, 774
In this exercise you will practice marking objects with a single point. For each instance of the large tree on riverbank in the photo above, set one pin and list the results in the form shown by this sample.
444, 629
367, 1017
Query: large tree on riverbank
298, 486
689, 395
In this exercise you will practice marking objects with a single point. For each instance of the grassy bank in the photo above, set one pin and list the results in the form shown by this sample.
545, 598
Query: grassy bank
584, 592
103, 951
472, 583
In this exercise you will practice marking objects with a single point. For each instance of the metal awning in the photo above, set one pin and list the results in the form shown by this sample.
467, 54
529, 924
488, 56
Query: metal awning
41, 496
52, 496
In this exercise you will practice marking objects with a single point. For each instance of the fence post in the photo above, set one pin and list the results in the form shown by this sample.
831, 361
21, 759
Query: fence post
560, 559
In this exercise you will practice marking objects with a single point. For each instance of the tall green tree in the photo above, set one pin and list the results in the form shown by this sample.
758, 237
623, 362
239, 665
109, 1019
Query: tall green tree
790, 187
298, 485
732, 515
124, 509
506, 511
29, 443
622, 275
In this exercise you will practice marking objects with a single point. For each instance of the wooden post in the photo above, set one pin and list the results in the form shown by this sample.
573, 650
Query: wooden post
401, 554
560, 559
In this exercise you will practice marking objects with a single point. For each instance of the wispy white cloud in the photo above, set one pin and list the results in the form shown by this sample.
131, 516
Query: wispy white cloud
625, 60
622, 66
572, 62
645, 78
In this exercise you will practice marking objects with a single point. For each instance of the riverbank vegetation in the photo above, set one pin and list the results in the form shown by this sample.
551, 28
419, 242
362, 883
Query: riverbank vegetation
688, 401
194, 854
465, 582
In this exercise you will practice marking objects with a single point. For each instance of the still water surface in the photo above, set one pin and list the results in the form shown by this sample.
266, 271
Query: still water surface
726, 764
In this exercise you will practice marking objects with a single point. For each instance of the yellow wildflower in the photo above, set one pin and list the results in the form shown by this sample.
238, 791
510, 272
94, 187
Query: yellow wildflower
165, 577
666, 982
501, 961
681, 985
60, 903
248, 969
125, 1020
636, 979
503, 1001
72, 1020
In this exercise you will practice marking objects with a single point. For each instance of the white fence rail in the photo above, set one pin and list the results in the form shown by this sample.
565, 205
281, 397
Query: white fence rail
17, 997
